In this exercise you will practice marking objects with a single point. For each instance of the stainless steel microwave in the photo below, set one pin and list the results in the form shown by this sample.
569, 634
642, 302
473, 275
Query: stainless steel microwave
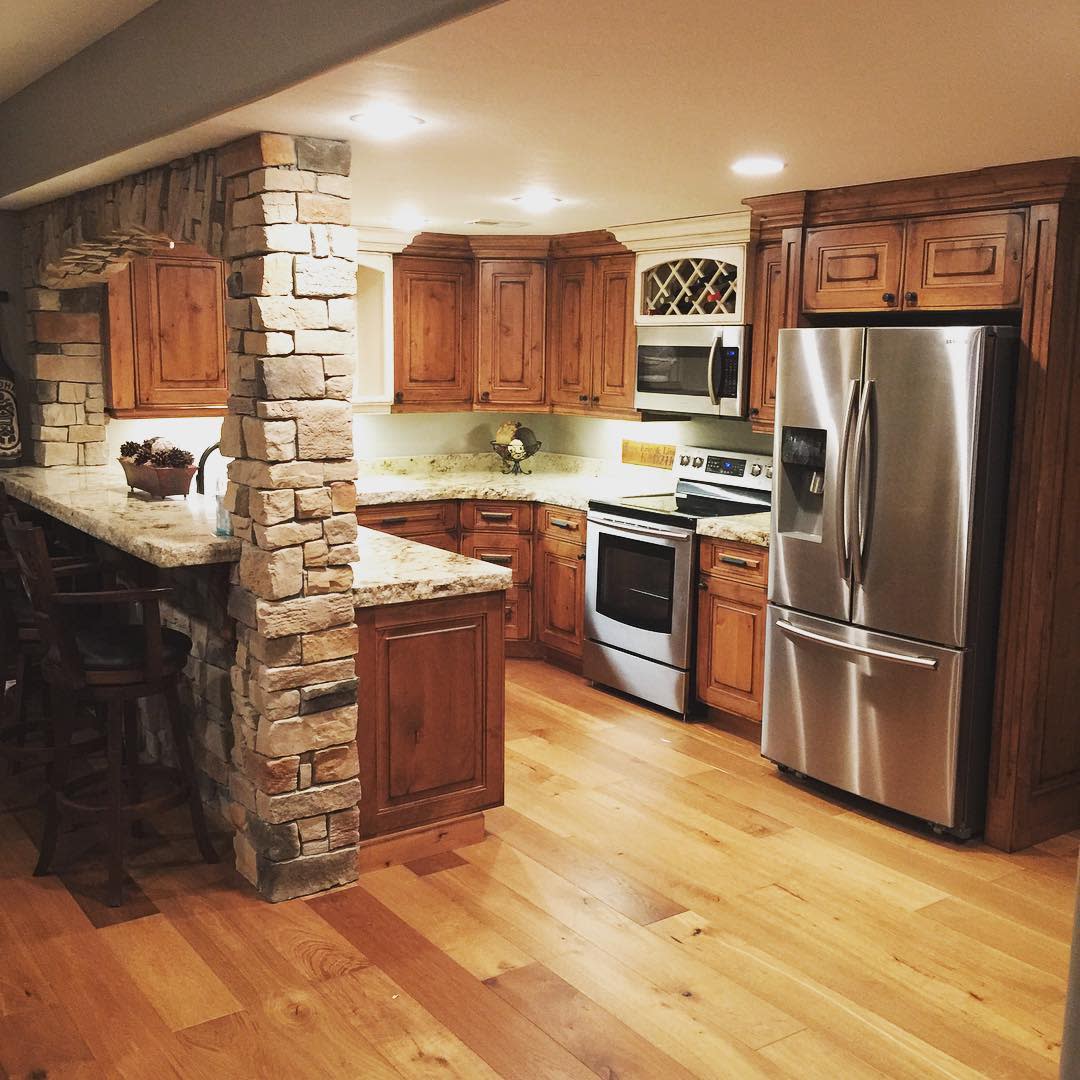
702, 370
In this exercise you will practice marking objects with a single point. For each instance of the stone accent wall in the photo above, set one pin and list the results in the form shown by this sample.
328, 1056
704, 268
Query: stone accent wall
292, 498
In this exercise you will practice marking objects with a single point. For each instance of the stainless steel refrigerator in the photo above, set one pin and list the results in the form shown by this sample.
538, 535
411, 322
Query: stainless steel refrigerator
890, 453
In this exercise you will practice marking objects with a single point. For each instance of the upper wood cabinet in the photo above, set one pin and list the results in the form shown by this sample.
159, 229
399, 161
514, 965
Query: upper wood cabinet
510, 357
591, 334
768, 319
959, 262
963, 262
853, 267
434, 333
167, 336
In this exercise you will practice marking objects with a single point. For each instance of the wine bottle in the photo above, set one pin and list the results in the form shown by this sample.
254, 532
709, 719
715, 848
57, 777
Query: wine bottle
10, 438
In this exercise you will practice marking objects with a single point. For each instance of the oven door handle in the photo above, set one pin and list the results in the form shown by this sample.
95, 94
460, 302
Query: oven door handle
716, 343
659, 534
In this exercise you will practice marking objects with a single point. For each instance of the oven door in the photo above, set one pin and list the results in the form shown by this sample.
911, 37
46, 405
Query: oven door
638, 587
692, 369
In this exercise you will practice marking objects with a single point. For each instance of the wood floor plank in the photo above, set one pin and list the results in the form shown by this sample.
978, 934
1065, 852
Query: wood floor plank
43, 1041
588, 871
481, 951
589, 1032
813, 1056
172, 976
510, 1044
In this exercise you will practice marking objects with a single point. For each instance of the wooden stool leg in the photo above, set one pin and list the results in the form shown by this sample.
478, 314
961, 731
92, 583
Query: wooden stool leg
187, 769
115, 753
131, 760
19, 707
59, 727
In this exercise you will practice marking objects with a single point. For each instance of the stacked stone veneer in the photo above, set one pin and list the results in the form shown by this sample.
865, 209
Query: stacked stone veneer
292, 498
70, 246
273, 695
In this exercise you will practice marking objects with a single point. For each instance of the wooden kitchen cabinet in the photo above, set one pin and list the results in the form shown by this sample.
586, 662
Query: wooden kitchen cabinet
768, 320
954, 263
503, 549
591, 340
560, 595
731, 627
434, 523
496, 515
430, 731
510, 355
434, 333
166, 354
853, 267
964, 261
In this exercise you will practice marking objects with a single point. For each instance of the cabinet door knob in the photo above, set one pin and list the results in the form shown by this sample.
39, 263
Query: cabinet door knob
596, 399
399, 397
753, 412
583, 397
702, 584
911, 297
485, 396
889, 297
581, 557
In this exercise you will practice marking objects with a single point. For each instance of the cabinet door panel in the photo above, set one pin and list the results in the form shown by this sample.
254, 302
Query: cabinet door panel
614, 340
570, 332
431, 711
768, 318
179, 328
517, 612
560, 595
963, 262
853, 267
731, 647
433, 331
510, 364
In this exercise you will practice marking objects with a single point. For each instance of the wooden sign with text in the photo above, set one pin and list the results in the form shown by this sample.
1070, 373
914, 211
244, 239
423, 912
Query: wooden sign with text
658, 455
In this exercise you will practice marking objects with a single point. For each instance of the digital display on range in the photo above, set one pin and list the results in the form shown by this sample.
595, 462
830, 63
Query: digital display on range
725, 466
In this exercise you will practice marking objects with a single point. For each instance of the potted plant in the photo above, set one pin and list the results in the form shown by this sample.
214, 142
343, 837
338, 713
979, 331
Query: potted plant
157, 467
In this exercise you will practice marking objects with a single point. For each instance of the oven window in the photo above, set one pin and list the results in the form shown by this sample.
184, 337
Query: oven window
635, 582
673, 369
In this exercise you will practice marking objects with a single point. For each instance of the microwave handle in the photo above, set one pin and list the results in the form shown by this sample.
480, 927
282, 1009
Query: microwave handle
717, 342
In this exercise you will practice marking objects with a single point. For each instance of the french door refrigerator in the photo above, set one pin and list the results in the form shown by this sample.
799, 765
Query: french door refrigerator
890, 450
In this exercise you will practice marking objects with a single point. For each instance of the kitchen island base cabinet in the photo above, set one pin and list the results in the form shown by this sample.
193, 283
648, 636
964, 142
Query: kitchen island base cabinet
430, 698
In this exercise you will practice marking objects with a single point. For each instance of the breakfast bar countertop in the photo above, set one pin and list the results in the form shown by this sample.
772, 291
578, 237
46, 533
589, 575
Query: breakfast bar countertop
96, 500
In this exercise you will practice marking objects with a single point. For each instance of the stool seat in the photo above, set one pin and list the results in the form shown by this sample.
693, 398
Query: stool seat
123, 648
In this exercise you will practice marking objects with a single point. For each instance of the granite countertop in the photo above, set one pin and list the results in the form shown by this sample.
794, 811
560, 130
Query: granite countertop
95, 499
427, 479
392, 570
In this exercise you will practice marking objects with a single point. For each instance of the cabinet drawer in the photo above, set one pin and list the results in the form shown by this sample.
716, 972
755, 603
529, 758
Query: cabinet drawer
448, 541
853, 267
495, 516
735, 561
561, 523
514, 552
410, 519
517, 613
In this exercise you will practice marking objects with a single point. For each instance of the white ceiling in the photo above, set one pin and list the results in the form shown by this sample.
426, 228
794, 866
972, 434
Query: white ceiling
38, 35
633, 111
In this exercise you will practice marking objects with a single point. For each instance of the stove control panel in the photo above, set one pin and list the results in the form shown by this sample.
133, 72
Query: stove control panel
723, 467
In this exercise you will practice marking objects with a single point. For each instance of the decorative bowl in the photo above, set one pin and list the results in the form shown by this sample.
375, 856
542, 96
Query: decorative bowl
158, 482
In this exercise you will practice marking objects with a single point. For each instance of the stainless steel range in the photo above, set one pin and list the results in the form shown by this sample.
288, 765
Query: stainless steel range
640, 562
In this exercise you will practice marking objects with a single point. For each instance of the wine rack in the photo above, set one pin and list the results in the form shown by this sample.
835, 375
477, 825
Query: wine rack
690, 286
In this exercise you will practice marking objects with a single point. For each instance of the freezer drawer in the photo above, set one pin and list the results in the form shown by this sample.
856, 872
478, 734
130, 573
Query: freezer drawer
869, 713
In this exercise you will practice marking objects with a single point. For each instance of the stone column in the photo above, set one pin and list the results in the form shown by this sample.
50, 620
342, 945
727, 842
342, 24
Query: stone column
292, 498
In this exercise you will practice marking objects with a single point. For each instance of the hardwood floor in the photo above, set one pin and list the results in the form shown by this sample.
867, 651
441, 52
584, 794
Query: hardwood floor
654, 901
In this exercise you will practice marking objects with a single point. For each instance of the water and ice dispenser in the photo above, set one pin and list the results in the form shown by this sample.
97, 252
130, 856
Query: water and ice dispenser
802, 476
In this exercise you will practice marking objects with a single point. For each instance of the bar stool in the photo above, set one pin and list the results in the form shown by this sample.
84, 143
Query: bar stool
108, 668
21, 651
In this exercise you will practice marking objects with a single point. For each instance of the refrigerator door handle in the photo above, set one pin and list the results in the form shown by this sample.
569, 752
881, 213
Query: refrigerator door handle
864, 650
856, 504
843, 537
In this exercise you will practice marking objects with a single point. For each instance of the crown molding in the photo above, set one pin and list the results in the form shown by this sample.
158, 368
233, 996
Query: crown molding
677, 233
382, 240
510, 247
585, 244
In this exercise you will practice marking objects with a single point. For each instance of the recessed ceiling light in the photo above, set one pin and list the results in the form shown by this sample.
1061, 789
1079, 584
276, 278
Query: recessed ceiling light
384, 120
757, 166
537, 200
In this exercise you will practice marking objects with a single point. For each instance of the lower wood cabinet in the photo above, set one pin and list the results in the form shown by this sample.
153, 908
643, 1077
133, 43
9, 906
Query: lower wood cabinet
430, 732
560, 595
731, 627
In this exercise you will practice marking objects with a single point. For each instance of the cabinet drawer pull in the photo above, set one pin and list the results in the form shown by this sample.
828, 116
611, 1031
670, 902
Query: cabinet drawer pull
497, 558
750, 564
495, 515
393, 520
562, 523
